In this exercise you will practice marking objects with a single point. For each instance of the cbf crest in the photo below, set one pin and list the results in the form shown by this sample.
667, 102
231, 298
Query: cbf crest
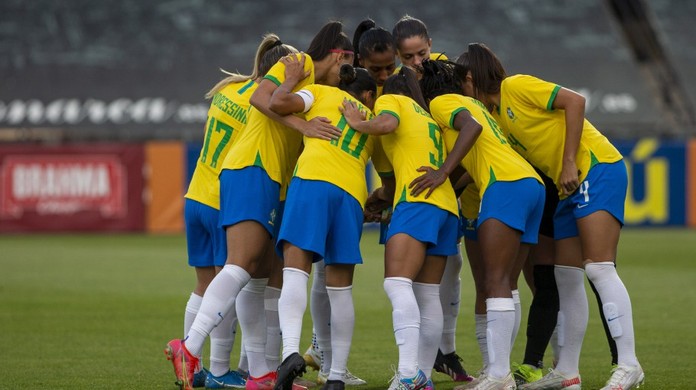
511, 114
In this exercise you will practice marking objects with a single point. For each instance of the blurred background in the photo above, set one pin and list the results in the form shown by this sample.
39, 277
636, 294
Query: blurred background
102, 109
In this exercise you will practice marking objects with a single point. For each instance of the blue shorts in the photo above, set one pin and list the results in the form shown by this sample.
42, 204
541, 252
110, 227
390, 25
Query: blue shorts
467, 228
249, 194
205, 240
604, 188
518, 204
322, 218
426, 223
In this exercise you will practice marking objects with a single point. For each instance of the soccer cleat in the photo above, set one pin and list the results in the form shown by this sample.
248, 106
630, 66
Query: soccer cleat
199, 377
292, 367
312, 357
184, 363
451, 365
554, 380
305, 383
334, 385
265, 382
418, 382
526, 373
429, 385
484, 382
232, 379
348, 378
624, 378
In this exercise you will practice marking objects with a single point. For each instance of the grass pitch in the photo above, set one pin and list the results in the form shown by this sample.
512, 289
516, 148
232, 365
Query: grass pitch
95, 311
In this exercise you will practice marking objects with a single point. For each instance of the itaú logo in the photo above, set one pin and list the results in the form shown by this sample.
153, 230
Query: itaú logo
146, 110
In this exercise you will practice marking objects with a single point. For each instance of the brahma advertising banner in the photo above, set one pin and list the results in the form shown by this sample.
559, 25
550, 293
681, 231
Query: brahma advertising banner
71, 188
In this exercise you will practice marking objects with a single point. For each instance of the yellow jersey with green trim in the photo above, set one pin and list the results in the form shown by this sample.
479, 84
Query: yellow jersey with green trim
416, 142
341, 162
538, 132
470, 202
266, 143
227, 117
491, 158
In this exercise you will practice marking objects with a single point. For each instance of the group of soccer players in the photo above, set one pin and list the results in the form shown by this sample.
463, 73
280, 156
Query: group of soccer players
509, 163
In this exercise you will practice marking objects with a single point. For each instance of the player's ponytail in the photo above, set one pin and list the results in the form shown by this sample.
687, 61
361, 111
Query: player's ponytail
270, 50
355, 81
487, 72
330, 37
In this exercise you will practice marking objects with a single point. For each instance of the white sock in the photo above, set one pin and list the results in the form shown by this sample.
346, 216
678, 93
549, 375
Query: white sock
320, 307
617, 309
481, 338
428, 298
500, 314
218, 299
450, 295
406, 320
252, 319
243, 361
291, 307
554, 341
221, 343
343, 320
192, 307
518, 316
572, 318
273, 336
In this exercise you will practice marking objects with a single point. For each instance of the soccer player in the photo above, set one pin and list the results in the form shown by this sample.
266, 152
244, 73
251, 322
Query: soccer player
376, 51
261, 160
205, 239
507, 225
422, 232
546, 124
323, 215
414, 45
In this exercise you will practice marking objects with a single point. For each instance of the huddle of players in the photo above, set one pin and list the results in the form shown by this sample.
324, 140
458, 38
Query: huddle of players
448, 139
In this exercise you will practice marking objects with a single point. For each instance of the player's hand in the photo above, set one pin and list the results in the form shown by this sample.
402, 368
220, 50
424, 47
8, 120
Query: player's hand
351, 112
376, 203
294, 67
430, 180
569, 178
320, 127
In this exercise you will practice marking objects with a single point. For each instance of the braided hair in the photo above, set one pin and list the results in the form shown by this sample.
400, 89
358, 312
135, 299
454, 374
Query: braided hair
439, 78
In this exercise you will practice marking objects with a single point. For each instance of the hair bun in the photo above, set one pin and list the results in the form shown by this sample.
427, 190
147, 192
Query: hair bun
347, 73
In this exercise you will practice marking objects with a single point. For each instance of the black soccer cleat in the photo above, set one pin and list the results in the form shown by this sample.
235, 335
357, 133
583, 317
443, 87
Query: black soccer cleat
451, 365
292, 367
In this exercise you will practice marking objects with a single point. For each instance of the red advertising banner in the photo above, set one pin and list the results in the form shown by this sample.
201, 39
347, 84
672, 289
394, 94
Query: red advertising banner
88, 187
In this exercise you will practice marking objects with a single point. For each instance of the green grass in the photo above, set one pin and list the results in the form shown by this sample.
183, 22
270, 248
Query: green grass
94, 312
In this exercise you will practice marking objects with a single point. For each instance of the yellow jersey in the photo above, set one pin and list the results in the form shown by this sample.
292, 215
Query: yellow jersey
538, 132
416, 142
470, 202
266, 143
491, 158
341, 162
227, 117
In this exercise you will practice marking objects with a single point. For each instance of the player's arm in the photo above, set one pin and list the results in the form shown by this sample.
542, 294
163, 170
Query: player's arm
469, 130
574, 106
383, 123
283, 100
316, 128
